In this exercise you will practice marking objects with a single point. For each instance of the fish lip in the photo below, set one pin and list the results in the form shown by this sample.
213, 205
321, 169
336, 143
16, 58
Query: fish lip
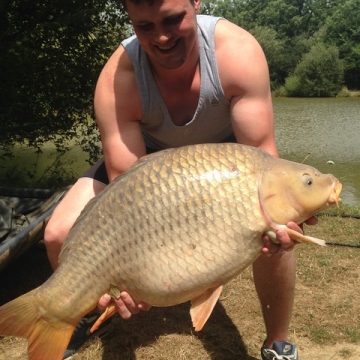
335, 193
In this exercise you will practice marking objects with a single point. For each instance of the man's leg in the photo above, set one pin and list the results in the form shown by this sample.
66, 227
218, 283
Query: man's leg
67, 211
275, 282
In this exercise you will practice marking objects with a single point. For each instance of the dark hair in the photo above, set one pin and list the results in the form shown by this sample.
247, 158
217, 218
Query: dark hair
149, 2
137, 2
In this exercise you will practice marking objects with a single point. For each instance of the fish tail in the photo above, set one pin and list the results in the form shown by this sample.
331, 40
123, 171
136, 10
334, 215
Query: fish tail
47, 336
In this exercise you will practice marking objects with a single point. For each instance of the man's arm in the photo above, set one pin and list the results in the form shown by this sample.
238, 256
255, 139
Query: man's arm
244, 76
118, 111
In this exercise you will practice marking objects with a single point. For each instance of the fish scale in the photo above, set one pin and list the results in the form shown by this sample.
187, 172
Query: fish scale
176, 226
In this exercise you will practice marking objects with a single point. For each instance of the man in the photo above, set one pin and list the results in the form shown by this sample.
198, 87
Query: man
183, 79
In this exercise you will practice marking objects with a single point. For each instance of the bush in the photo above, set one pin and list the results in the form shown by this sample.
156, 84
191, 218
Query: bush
319, 74
292, 86
344, 92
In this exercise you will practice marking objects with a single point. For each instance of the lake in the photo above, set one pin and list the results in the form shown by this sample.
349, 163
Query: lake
323, 133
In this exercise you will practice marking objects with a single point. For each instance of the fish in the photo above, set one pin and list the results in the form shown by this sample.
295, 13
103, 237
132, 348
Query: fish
175, 227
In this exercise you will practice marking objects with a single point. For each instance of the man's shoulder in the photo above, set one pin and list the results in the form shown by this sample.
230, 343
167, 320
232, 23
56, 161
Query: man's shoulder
118, 74
234, 41
240, 59
130, 41
232, 32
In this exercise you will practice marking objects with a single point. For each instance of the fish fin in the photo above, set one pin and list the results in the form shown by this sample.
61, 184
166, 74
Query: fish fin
304, 238
108, 313
47, 336
202, 306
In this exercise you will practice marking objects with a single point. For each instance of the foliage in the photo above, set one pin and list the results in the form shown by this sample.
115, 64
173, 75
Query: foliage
282, 55
293, 27
274, 48
320, 73
51, 55
343, 30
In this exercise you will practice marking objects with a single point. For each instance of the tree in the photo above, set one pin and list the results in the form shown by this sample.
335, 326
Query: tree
352, 68
285, 25
51, 55
274, 49
319, 74
343, 30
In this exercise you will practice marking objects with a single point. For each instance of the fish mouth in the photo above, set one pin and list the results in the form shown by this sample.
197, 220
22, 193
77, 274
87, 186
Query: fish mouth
335, 193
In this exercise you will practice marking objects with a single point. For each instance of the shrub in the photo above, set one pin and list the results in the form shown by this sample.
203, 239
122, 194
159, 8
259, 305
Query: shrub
319, 74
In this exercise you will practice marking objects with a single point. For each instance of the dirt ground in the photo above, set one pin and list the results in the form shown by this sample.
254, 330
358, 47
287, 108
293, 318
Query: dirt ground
325, 322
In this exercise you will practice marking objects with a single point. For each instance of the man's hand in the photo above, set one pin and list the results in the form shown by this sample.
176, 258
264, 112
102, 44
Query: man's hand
125, 305
285, 242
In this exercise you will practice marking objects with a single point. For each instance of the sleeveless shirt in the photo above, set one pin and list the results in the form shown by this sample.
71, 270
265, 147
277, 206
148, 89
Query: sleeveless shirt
211, 120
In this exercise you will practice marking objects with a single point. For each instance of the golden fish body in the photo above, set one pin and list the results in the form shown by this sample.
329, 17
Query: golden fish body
175, 227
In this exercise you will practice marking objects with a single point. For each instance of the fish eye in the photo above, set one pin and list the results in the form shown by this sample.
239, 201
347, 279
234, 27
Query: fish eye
307, 179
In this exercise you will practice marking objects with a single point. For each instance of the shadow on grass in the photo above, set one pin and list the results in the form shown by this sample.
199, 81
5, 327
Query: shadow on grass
24, 274
219, 337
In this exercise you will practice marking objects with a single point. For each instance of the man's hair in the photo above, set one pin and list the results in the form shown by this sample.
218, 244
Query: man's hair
149, 2
137, 2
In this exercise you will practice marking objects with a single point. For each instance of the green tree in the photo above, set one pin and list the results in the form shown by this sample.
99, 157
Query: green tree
319, 74
352, 68
285, 25
274, 49
51, 55
343, 30
295, 22
241, 12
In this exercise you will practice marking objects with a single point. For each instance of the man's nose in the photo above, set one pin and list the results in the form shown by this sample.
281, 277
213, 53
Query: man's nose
163, 35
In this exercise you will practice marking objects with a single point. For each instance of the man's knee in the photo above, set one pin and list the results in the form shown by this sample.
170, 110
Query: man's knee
55, 234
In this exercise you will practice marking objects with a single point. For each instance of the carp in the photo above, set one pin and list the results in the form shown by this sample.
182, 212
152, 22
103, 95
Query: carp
175, 227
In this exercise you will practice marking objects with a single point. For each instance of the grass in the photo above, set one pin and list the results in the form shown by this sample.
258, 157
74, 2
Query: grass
345, 92
325, 322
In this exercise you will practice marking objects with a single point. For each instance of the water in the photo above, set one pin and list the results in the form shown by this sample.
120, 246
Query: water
27, 168
324, 133
314, 131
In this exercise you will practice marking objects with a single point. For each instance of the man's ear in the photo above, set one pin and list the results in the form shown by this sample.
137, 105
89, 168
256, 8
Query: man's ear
197, 5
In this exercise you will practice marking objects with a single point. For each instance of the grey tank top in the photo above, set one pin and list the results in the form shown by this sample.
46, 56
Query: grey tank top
211, 121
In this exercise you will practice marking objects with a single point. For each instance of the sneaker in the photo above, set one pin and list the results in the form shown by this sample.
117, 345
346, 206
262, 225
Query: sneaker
82, 333
281, 350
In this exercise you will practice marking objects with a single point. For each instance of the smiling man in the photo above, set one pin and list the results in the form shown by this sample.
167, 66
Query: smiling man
183, 79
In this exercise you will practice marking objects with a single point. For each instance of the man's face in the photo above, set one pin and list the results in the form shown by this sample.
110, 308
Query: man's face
167, 30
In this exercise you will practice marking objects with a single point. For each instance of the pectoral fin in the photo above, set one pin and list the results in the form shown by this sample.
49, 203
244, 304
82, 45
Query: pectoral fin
202, 306
110, 310
294, 235
304, 238
107, 314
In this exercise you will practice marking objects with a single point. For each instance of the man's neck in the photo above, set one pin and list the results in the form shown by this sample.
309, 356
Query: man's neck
182, 76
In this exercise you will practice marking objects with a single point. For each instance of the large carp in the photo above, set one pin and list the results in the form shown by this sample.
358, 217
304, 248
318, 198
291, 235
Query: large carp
176, 226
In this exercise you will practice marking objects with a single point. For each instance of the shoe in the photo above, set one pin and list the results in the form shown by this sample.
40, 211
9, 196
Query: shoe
82, 333
281, 350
